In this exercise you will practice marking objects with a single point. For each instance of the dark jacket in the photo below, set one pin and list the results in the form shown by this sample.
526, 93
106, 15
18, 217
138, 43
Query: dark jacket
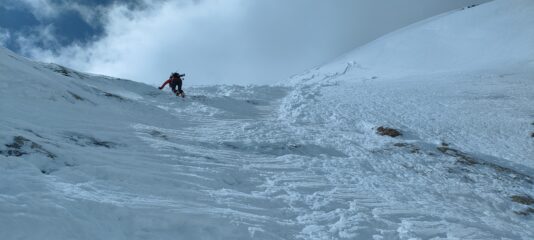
174, 81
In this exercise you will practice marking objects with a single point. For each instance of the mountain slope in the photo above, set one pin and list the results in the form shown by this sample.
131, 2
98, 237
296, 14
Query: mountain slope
494, 35
94, 157
476, 63
459, 87
77, 162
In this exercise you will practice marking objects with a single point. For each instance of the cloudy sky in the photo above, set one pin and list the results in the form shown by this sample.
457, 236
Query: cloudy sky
212, 41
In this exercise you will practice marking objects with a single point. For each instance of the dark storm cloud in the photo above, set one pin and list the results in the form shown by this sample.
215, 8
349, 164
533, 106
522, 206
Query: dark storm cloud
231, 41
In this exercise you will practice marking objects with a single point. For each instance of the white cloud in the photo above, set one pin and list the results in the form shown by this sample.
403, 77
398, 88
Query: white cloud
37, 42
4, 36
49, 9
42, 8
234, 41
198, 39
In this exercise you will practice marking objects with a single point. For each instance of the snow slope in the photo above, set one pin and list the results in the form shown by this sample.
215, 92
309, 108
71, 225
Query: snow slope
488, 36
475, 62
93, 157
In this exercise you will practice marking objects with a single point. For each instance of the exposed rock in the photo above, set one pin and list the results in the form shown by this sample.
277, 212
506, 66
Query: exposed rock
22, 146
385, 131
62, 70
460, 156
523, 199
158, 134
525, 212
76, 96
466, 159
111, 95
83, 140
411, 147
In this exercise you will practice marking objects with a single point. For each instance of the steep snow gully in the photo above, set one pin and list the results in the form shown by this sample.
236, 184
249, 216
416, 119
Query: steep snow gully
93, 157
88, 157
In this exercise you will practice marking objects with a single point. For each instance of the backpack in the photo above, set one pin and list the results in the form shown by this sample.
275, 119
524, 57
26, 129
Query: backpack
175, 74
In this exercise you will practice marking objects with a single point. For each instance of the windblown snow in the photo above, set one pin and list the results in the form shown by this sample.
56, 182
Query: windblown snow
93, 157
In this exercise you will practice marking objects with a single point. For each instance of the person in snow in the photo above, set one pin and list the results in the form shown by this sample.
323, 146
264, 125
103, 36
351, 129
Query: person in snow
175, 80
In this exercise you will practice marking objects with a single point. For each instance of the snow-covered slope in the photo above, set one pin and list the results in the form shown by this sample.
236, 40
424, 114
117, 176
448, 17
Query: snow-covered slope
495, 35
475, 63
94, 157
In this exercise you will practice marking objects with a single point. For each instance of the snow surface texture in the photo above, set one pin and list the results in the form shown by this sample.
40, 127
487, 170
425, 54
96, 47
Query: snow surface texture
93, 157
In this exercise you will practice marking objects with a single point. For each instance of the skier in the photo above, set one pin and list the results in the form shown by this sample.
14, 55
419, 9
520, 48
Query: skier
175, 80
